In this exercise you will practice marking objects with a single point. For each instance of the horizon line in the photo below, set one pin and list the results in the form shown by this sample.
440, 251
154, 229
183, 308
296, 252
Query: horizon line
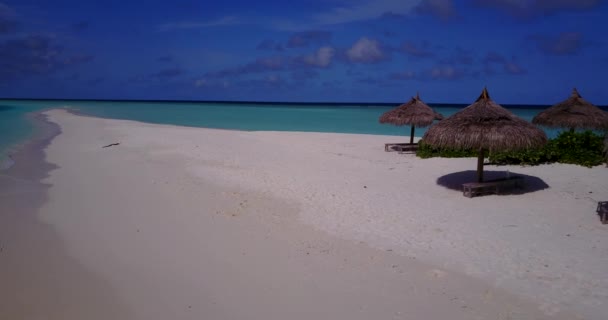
258, 102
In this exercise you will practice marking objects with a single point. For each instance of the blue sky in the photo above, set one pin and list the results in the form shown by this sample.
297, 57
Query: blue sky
524, 51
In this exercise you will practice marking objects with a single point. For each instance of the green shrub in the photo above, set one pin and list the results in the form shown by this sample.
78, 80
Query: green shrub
581, 148
545, 154
524, 157
584, 148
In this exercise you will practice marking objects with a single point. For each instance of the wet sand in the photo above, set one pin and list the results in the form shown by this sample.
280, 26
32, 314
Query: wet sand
39, 279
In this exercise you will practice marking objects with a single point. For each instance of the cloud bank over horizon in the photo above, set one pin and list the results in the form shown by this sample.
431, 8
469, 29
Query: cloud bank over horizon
525, 51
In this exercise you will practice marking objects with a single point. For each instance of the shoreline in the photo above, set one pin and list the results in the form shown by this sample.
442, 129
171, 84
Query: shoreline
39, 278
41, 135
43, 132
394, 132
160, 164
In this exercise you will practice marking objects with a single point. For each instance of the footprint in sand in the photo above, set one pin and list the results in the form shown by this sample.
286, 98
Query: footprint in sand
550, 308
436, 273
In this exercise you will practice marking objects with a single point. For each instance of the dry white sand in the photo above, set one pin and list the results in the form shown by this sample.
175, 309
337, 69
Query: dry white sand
190, 223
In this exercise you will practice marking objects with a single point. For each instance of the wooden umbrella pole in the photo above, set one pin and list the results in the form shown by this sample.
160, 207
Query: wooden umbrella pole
480, 158
412, 134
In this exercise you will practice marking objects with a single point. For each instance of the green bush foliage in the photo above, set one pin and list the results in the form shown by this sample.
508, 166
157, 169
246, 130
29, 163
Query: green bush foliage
584, 148
546, 154
581, 148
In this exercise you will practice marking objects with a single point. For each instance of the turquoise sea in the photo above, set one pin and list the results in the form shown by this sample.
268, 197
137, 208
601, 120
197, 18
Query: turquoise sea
343, 118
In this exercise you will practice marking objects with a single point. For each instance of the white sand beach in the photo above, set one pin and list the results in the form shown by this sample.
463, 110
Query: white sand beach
193, 223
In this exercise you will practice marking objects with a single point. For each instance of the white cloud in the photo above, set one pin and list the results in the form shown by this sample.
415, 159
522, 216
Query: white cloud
7, 19
6, 11
273, 79
184, 25
528, 9
366, 51
204, 83
364, 10
322, 58
446, 72
406, 75
443, 9
337, 12
270, 62
201, 83
443, 72
513, 68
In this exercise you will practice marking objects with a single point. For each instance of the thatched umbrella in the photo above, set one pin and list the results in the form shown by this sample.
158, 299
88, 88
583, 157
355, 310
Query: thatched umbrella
482, 126
414, 112
573, 113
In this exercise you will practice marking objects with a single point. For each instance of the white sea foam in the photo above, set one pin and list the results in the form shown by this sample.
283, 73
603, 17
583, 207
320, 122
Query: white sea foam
6, 161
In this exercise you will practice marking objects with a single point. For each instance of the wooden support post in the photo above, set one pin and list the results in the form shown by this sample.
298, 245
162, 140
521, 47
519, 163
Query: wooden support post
480, 157
412, 134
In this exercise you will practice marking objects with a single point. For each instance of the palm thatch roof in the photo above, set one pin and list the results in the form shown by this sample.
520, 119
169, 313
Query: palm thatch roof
414, 112
485, 125
574, 113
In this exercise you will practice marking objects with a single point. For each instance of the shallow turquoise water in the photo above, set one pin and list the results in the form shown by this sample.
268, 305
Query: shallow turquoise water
14, 128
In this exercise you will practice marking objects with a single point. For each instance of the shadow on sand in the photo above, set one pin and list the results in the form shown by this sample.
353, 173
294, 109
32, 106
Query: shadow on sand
455, 180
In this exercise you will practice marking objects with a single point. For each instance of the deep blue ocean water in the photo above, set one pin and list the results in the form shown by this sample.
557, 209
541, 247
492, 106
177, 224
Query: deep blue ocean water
342, 118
